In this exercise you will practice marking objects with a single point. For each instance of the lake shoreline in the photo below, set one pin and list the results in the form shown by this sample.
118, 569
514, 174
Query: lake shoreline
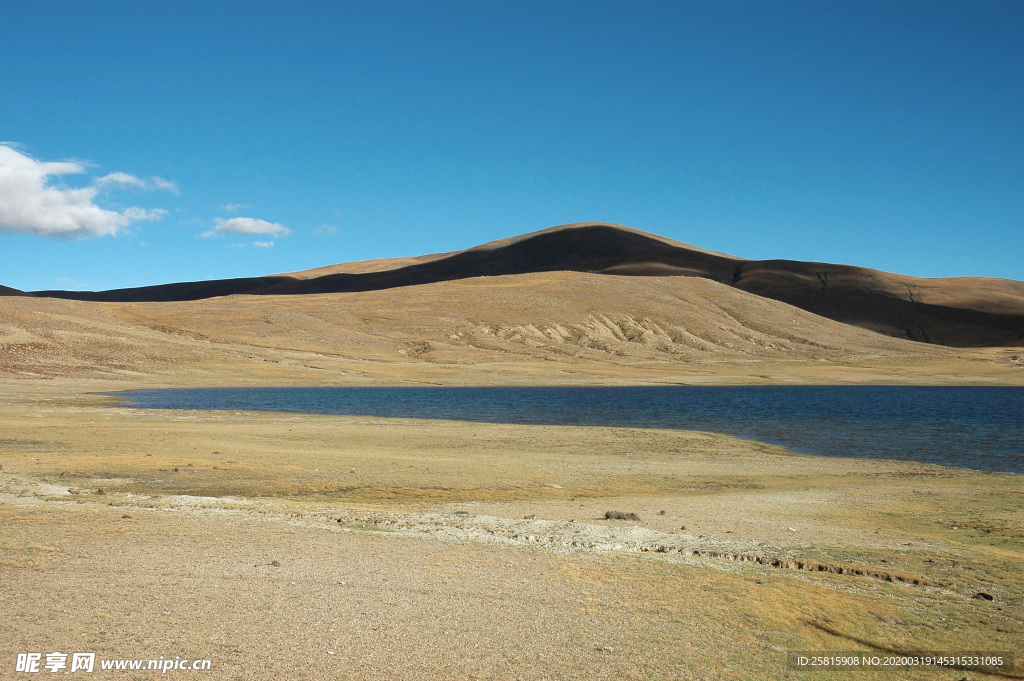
354, 533
979, 428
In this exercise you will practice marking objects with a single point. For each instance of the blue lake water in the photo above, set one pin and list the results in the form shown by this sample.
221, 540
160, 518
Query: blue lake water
970, 427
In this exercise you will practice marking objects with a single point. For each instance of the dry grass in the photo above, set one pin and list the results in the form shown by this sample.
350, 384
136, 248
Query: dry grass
457, 607
548, 328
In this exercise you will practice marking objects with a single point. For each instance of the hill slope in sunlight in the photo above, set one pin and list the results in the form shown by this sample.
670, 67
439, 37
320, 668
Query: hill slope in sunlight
959, 312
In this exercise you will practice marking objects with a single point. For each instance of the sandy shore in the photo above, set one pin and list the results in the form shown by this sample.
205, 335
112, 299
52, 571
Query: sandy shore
292, 546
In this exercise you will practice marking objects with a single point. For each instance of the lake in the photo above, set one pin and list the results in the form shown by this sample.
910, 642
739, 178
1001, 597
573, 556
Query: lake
980, 428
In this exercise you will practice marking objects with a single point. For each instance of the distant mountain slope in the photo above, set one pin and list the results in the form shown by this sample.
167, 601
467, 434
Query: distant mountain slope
524, 329
366, 266
963, 312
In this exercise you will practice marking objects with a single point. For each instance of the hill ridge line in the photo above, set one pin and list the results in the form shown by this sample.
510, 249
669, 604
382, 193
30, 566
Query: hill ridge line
955, 311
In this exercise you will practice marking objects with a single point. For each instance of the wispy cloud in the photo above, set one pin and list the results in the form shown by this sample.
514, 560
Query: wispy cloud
30, 203
325, 230
120, 179
154, 183
247, 226
160, 184
235, 207
263, 244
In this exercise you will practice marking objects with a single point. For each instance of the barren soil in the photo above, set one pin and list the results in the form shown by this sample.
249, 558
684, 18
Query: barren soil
293, 546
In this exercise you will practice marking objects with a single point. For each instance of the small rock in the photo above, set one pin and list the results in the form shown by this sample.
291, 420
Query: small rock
529, 517
661, 513
126, 516
605, 649
275, 563
982, 596
683, 527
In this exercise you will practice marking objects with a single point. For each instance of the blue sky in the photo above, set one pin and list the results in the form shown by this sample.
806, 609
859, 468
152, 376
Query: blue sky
148, 142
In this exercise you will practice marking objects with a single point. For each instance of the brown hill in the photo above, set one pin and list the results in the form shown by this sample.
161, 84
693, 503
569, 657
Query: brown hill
535, 328
962, 312
959, 311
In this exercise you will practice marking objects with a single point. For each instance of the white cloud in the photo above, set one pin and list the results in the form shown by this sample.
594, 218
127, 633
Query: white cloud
123, 179
30, 204
246, 226
163, 185
154, 183
263, 244
235, 207
325, 230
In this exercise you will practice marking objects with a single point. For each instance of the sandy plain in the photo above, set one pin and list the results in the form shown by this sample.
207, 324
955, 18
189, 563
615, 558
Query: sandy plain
292, 546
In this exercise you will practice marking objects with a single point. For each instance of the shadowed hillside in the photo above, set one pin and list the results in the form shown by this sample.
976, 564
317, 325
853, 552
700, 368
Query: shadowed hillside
962, 312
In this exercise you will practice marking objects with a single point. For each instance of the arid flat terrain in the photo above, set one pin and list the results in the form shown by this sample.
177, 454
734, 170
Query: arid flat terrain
297, 546
291, 546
